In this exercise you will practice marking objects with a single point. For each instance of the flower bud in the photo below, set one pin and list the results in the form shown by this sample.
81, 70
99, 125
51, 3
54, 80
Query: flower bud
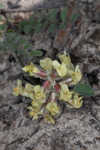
53, 75
46, 84
41, 74
57, 87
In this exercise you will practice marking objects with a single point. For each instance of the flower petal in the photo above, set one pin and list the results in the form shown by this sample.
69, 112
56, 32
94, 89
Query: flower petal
49, 119
66, 60
39, 93
18, 90
65, 94
76, 75
31, 69
76, 102
52, 108
60, 68
46, 64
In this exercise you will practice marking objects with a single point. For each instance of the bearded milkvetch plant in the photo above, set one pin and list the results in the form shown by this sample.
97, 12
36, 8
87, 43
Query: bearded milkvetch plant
58, 77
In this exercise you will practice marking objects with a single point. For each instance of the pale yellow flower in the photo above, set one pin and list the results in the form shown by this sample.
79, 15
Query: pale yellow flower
39, 93
76, 75
46, 64
18, 90
60, 68
65, 94
37, 104
52, 108
66, 60
28, 91
31, 69
49, 119
29, 87
34, 112
76, 101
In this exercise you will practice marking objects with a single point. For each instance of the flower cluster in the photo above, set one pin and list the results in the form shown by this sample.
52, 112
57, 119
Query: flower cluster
58, 76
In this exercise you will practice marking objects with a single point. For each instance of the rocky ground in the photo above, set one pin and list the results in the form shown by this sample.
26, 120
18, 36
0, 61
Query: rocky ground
74, 129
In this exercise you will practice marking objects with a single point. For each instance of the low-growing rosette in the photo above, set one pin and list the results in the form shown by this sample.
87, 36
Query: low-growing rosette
59, 78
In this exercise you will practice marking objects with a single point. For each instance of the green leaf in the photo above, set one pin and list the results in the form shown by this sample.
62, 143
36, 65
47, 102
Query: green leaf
1, 6
1, 18
22, 24
45, 25
36, 53
32, 19
10, 30
52, 15
62, 26
63, 14
26, 46
52, 28
74, 17
27, 28
2, 27
84, 89
38, 28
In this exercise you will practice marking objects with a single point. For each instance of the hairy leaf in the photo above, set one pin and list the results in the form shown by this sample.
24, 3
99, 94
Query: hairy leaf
84, 89
63, 14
